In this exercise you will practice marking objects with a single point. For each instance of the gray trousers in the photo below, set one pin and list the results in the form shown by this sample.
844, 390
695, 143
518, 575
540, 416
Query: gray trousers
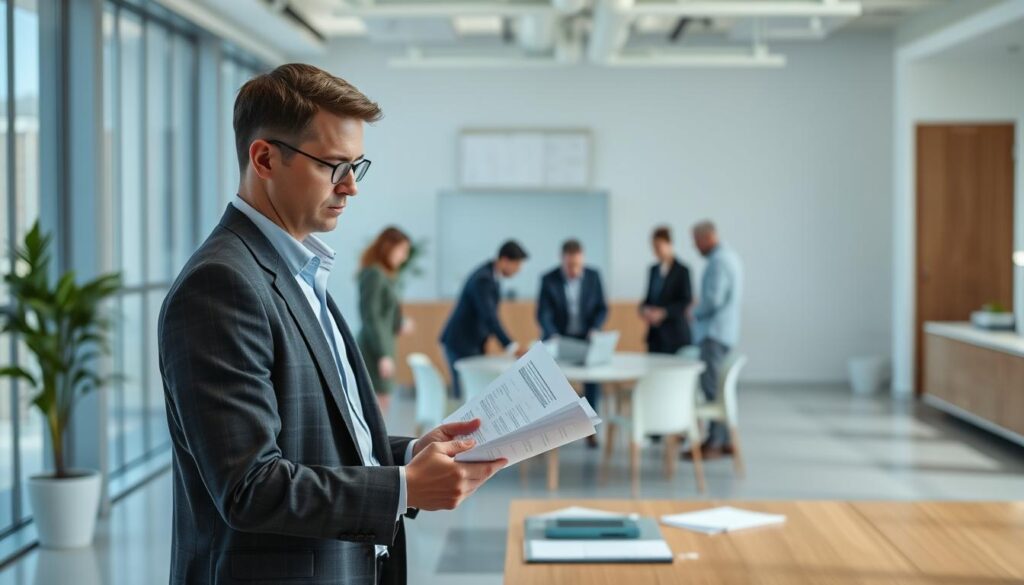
713, 353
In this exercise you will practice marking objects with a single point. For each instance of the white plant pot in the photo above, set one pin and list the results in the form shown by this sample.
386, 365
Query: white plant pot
64, 510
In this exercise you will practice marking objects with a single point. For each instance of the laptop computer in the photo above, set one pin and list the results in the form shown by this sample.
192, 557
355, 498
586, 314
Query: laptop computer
598, 350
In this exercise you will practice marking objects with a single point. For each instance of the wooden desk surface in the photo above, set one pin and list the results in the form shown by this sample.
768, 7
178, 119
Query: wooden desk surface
834, 543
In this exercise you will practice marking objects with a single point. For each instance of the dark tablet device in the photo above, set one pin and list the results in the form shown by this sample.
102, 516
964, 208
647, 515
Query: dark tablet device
591, 528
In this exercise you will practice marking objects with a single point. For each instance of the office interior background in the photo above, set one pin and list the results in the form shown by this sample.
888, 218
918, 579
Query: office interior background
808, 140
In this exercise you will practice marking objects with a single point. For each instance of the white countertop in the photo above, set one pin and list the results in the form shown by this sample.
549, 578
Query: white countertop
1005, 341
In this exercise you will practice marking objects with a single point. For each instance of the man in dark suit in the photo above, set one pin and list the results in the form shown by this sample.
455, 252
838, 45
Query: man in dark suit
571, 304
283, 470
475, 317
668, 297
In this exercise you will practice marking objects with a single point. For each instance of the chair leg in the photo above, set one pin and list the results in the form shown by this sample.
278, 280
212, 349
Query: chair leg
606, 459
553, 470
671, 452
609, 444
737, 456
524, 473
698, 464
634, 467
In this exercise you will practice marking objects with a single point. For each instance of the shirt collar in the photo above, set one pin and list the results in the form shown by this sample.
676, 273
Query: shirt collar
301, 258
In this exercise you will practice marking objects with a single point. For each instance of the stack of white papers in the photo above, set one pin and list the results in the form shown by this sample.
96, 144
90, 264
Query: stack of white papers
529, 409
724, 519
649, 547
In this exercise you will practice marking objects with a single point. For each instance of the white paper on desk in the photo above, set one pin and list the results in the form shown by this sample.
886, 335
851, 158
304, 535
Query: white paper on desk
723, 519
572, 550
529, 409
581, 512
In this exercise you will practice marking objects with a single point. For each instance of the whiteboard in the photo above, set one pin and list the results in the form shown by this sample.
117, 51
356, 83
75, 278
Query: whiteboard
472, 225
524, 159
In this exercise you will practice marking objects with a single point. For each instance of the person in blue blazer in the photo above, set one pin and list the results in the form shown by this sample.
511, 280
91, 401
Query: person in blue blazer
571, 303
475, 317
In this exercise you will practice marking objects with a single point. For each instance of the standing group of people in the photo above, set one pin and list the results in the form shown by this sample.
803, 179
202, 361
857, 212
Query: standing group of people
676, 320
570, 303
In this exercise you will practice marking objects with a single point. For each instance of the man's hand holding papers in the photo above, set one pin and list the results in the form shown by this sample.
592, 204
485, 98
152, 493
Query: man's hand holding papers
435, 480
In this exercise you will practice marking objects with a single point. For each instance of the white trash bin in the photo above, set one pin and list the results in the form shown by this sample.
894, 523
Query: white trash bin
868, 374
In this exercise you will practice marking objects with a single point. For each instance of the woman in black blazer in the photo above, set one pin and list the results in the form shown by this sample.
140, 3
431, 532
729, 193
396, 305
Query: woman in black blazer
669, 294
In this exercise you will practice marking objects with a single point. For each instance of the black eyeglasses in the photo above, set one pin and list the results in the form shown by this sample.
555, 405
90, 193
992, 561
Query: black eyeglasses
338, 171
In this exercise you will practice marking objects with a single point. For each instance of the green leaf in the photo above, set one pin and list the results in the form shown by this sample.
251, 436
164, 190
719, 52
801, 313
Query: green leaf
16, 372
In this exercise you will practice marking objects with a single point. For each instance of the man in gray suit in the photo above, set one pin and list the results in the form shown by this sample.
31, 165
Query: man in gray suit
283, 470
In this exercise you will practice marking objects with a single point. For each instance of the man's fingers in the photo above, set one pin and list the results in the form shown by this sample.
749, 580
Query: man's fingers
453, 448
459, 428
484, 470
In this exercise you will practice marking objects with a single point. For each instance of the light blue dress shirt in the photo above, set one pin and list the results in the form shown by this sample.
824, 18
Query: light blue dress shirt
573, 289
310, 261
717, 315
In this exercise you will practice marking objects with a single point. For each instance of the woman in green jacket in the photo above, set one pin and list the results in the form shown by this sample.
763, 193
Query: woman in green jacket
379, 308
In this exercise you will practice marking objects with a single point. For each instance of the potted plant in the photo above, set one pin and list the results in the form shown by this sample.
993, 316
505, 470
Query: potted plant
62, 324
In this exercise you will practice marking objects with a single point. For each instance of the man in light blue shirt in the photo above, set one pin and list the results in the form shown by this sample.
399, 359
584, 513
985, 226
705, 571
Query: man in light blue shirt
716, 321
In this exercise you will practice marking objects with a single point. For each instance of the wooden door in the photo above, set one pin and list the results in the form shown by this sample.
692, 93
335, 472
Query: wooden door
964, 223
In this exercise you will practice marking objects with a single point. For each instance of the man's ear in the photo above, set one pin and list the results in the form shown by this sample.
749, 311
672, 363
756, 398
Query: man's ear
260, 155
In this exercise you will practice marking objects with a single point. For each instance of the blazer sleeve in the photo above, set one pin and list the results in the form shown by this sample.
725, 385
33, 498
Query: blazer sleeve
398, 446
546, 311
647, 292
376, 313
683, 294
601, 314
487, 310
217, 354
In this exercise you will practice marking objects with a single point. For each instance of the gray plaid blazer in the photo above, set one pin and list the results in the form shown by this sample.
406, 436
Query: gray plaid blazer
269, 486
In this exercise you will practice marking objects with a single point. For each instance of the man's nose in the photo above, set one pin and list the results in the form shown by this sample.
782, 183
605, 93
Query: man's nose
347, 186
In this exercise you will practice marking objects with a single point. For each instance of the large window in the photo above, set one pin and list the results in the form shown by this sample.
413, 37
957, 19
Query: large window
149, 199
21, 428
150, 98
234, 72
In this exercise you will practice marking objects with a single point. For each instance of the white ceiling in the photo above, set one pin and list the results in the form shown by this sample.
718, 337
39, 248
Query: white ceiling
564, 32
1004, 43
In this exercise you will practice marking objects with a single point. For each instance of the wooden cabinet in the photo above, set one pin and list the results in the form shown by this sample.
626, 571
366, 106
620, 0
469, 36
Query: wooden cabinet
980, 381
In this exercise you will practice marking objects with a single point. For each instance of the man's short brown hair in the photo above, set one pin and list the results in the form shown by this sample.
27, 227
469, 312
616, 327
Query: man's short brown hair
662, 233
572, 246
280, 104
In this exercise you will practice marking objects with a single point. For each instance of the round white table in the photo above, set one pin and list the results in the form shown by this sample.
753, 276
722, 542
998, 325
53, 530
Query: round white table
623, 367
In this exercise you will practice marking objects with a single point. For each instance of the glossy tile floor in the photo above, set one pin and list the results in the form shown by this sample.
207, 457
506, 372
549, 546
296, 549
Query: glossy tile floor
808, 442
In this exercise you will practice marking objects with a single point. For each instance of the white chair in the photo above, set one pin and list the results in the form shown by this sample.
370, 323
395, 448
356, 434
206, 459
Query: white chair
474, 380
725, 408
663, 403
431, 394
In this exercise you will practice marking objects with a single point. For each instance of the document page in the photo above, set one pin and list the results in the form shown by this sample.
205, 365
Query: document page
722, 519
529, 409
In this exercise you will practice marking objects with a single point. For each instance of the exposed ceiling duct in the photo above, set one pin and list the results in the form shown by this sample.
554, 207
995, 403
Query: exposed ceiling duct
546, 33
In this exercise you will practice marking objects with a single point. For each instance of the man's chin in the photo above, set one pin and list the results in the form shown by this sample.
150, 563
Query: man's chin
328, 224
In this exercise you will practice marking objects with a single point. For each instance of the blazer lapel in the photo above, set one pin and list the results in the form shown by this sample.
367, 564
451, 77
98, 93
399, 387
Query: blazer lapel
560, 293
673, 271
298, 307
371, 412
